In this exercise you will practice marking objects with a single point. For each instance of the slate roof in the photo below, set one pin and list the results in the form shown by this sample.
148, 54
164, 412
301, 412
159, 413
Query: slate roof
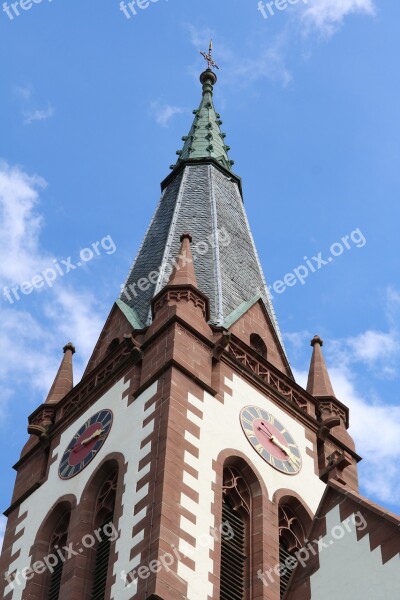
203, 197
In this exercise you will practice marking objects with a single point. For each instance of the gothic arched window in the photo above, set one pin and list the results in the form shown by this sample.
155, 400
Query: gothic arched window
104, 517
50, 540
235, 545
291, 539
258, 344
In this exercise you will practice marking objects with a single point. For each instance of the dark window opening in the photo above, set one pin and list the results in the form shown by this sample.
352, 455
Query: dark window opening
105, 516
291, 540
258, 344
101, 563
288, 562
233, 555
113, 345
235, 543
57, 543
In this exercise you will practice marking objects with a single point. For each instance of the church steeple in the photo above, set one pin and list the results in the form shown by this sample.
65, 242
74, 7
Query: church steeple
204, 196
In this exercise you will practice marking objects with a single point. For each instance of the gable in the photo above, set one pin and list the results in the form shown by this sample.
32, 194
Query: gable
252, 318
116, 326
355, 551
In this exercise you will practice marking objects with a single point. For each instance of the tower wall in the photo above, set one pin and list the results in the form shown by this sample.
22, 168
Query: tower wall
133, 423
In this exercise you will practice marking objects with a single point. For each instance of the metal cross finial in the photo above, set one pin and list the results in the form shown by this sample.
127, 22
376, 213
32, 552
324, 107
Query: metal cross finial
208, 57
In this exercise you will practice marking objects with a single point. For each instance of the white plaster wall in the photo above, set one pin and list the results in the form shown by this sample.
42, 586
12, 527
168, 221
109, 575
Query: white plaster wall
125, 437
350, 571
221, 429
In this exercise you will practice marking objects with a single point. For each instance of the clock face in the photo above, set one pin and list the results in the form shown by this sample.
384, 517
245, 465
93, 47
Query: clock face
85, 444
271, 440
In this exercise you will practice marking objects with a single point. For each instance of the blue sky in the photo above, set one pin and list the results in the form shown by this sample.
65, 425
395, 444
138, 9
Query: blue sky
93, 109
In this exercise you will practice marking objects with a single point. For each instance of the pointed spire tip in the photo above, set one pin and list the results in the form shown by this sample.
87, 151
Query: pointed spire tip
187, 236
69, 346
317, 340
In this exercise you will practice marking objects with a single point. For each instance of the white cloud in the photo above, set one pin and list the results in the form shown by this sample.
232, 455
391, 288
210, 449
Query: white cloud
377, 350
38, 115
270, 58
31, 343
200, 37
23, 91
298, 339
164, 113
20, 225
374, 423
375, 428
374, 345
268, 62
328, 15
393, 307
80, 319
3, 522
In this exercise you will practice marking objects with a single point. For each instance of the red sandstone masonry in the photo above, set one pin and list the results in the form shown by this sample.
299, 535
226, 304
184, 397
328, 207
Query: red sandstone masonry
116, 327
256, 320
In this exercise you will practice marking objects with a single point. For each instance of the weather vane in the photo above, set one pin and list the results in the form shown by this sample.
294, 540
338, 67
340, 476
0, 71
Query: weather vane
208, 57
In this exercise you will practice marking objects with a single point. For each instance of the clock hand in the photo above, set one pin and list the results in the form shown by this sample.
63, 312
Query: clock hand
294, 459
281, 446
95, 435
286, 450
267, 428
89, 439
266, 432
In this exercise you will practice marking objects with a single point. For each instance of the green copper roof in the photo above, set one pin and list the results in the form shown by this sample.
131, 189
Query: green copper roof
240, 311
205, 139
131, 314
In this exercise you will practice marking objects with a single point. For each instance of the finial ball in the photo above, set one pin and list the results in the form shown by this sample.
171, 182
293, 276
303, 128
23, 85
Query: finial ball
208, 76
186, 236
69, 346
317, 340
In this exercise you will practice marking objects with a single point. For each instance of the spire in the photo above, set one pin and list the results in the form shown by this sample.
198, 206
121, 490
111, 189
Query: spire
319, 383
183, 272
205, 139
63, 383
204, 196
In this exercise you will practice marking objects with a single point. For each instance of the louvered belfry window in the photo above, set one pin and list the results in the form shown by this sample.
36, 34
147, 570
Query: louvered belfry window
235, 540
101, 565
291, 540
58, 541
105, 516
284, 557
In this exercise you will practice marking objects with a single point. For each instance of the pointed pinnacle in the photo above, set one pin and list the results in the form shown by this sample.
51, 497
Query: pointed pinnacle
183, 272
63, 382
319, 384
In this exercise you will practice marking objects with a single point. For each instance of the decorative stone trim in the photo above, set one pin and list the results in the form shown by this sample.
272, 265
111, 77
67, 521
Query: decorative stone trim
241, 353
103, 375
40, 422
332, 407
177, 296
